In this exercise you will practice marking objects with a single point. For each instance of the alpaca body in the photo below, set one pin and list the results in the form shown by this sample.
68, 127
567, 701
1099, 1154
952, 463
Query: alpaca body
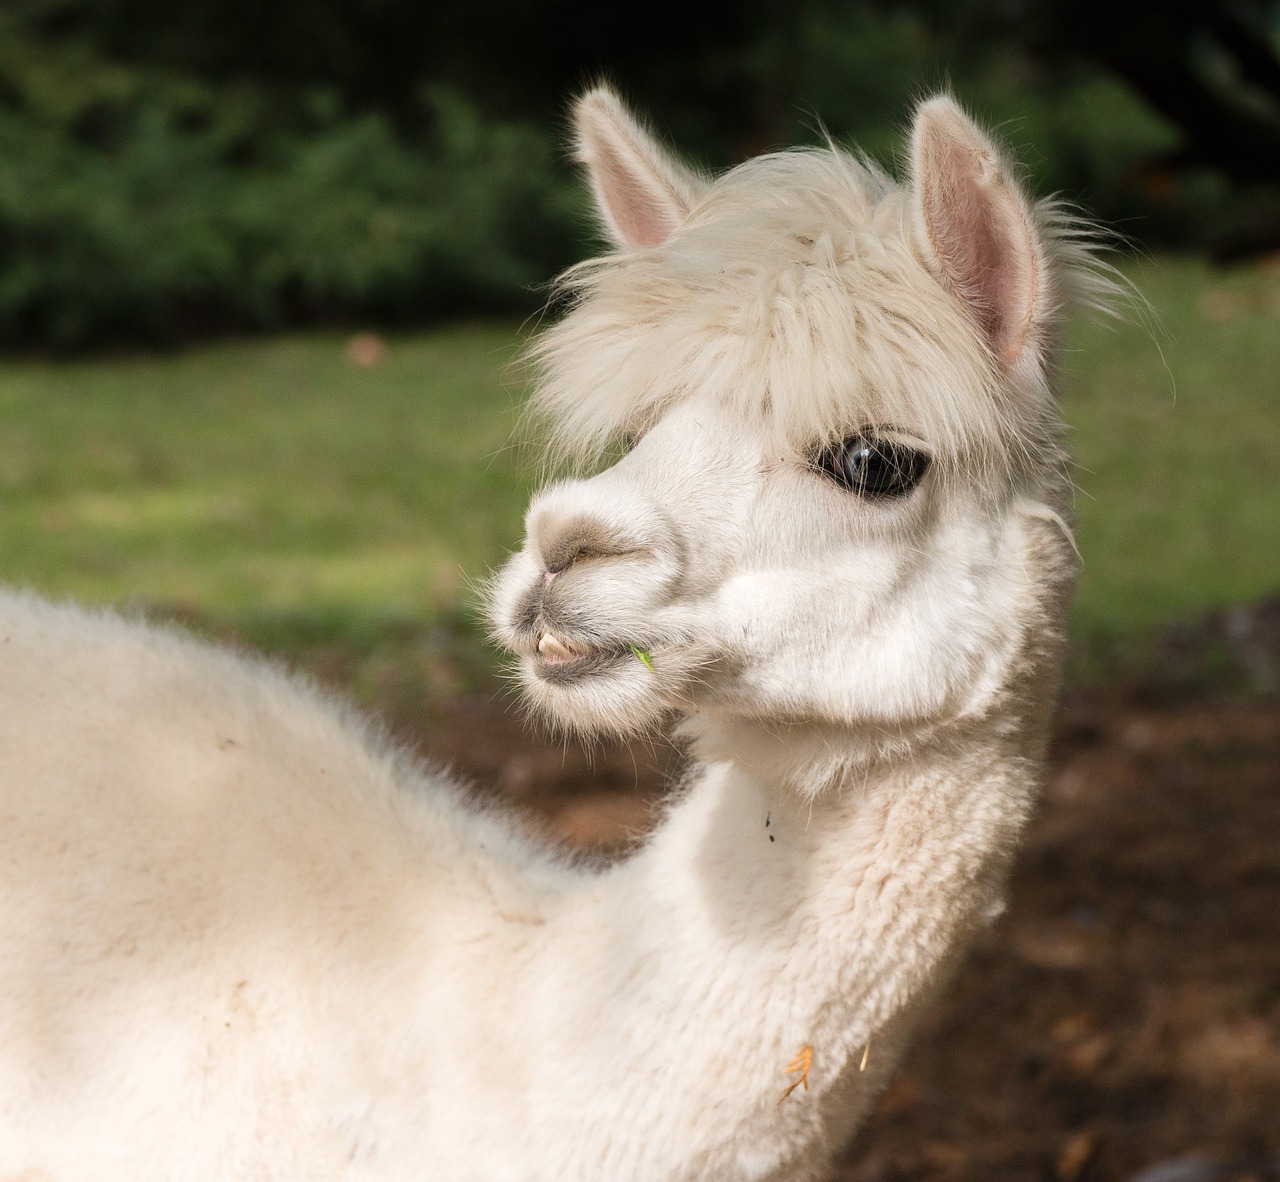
317, 962
242, 937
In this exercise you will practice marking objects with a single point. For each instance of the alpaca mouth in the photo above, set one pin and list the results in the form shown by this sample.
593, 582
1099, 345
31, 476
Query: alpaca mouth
555, 651
560, 660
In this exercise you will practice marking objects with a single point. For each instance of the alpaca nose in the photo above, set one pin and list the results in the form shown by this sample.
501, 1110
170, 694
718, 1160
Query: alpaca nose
595, 519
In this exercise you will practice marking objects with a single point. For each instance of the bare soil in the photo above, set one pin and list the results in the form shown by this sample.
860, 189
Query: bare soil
1122, 1019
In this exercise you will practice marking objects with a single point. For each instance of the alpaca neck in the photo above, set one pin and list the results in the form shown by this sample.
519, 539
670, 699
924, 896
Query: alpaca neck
758, 921
887, 862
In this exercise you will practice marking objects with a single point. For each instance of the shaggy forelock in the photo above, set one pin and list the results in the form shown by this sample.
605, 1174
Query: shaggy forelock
794, 296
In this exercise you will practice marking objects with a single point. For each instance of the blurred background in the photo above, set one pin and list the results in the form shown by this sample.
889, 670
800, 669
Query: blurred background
265, 275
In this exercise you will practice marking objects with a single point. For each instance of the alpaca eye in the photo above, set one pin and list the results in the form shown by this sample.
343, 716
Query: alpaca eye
873, 467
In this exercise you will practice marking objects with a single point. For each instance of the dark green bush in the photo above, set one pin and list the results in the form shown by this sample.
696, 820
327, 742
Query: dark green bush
145, 208
221, 165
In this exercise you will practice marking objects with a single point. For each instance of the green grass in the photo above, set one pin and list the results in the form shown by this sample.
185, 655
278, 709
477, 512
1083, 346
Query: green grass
276, 490
1176, 432
269, 481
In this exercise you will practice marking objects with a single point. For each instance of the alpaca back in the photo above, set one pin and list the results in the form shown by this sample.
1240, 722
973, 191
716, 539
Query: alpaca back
183, 751
217, 884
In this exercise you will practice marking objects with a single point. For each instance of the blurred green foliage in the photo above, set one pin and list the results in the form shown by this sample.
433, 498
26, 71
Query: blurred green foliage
222, 165
142, 204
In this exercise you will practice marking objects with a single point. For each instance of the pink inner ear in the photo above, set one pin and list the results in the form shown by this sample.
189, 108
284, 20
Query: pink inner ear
643, 194
642, 210
980, 236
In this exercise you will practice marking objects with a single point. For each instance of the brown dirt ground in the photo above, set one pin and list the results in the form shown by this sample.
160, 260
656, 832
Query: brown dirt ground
1125, 1012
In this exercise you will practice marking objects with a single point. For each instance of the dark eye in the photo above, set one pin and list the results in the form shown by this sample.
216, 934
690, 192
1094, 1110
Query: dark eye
873, 467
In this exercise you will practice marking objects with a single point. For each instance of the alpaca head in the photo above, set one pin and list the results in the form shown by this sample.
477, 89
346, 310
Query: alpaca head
838, 496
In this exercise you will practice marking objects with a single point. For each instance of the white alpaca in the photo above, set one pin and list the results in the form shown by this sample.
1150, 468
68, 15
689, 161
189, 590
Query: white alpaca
241, 938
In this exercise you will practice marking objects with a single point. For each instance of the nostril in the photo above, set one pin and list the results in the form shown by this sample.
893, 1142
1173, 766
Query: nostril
579, 540
561, 562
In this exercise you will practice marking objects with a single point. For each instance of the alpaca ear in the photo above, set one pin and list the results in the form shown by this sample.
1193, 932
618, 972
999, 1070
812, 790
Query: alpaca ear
642, 192
977, 229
